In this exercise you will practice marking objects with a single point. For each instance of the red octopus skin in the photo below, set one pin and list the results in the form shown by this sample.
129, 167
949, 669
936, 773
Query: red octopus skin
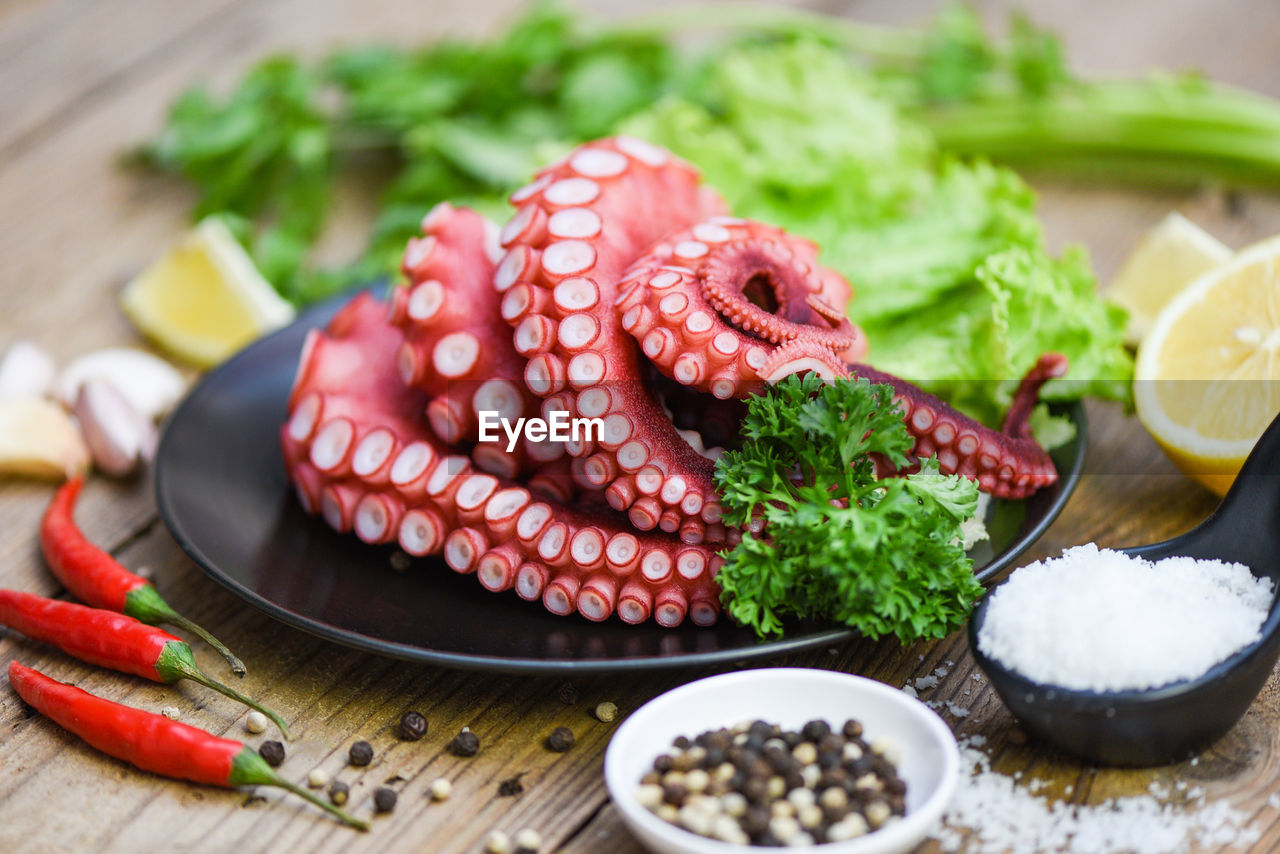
1007, 464
578, 228
711, 305
360, 452
380, 437
448, 312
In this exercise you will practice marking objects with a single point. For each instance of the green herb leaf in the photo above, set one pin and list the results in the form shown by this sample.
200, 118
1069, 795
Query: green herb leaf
881, 556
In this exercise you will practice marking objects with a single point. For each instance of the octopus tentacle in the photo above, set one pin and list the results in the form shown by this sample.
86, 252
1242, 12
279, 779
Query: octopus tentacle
709, 305
573, 558
448, 313
602, 208
1007, 464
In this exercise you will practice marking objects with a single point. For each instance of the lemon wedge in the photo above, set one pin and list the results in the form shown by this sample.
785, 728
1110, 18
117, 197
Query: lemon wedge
1167, 259
1207, 378
204, 299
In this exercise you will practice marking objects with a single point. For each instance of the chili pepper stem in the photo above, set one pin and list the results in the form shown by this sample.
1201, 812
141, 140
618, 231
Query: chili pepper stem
146, 604
176, 662
250, 769
198, 676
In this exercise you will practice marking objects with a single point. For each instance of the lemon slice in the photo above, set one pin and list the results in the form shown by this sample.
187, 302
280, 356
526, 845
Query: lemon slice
1207, 378
204, 299
1167, 259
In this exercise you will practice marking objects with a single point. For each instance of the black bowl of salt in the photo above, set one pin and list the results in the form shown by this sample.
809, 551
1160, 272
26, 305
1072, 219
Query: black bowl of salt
1171, 721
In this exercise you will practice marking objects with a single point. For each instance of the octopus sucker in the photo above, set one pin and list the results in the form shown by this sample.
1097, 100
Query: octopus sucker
622, 292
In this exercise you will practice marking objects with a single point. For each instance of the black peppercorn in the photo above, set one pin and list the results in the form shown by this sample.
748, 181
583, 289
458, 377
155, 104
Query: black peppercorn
674, 793
815, 731
681, 742
384, 799
465, 743
511, 786
567, 693
272, 752
755, 820
338, 792
852, 729
756, 789
413, 726
663, 763
561, 739
361, 754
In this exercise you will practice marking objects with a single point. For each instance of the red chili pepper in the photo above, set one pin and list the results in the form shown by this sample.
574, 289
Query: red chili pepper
112, 640
95, 577
153, 742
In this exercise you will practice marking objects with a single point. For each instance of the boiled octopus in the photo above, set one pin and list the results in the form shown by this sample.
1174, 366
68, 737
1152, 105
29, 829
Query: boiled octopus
622, 291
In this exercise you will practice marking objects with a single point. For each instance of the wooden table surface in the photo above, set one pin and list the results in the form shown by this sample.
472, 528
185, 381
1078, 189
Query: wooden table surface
81, 80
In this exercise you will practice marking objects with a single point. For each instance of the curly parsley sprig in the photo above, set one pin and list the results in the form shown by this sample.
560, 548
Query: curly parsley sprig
881, 556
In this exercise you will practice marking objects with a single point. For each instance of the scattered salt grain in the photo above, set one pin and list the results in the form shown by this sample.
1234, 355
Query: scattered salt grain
1273, 801
958, 711
926, 682
940, 672
909, 691
992, 813
1100, 620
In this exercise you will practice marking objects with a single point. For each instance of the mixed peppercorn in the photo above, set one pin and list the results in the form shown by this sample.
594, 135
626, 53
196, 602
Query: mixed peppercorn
762, 785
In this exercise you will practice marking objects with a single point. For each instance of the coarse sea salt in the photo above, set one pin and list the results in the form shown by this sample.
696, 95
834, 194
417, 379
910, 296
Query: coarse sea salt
1100, 620
992, 813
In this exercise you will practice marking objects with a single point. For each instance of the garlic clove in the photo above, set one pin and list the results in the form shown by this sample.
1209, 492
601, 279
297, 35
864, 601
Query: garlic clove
38, 438
27, 370
150, 384
118, 435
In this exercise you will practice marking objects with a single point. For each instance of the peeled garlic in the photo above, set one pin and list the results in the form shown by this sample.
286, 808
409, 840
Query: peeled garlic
38, 438
150, 384
119, 437
27, 370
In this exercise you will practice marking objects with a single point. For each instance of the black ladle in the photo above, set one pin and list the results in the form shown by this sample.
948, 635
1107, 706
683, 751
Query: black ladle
1169, 723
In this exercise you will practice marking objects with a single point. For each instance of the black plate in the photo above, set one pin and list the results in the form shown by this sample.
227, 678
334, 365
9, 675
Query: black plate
221, 490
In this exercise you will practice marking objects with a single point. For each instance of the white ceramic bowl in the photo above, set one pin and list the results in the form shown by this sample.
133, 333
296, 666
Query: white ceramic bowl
789, 696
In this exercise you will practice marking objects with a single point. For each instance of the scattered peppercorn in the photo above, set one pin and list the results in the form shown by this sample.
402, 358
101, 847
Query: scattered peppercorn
511, 786
441, 789
272, 752
338, 793
465, 743
413, 726
360, 754
384, 799
255, 722
497, 843
606, 712
561, 739
567, 693
528, 841
760, 785
317, 778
